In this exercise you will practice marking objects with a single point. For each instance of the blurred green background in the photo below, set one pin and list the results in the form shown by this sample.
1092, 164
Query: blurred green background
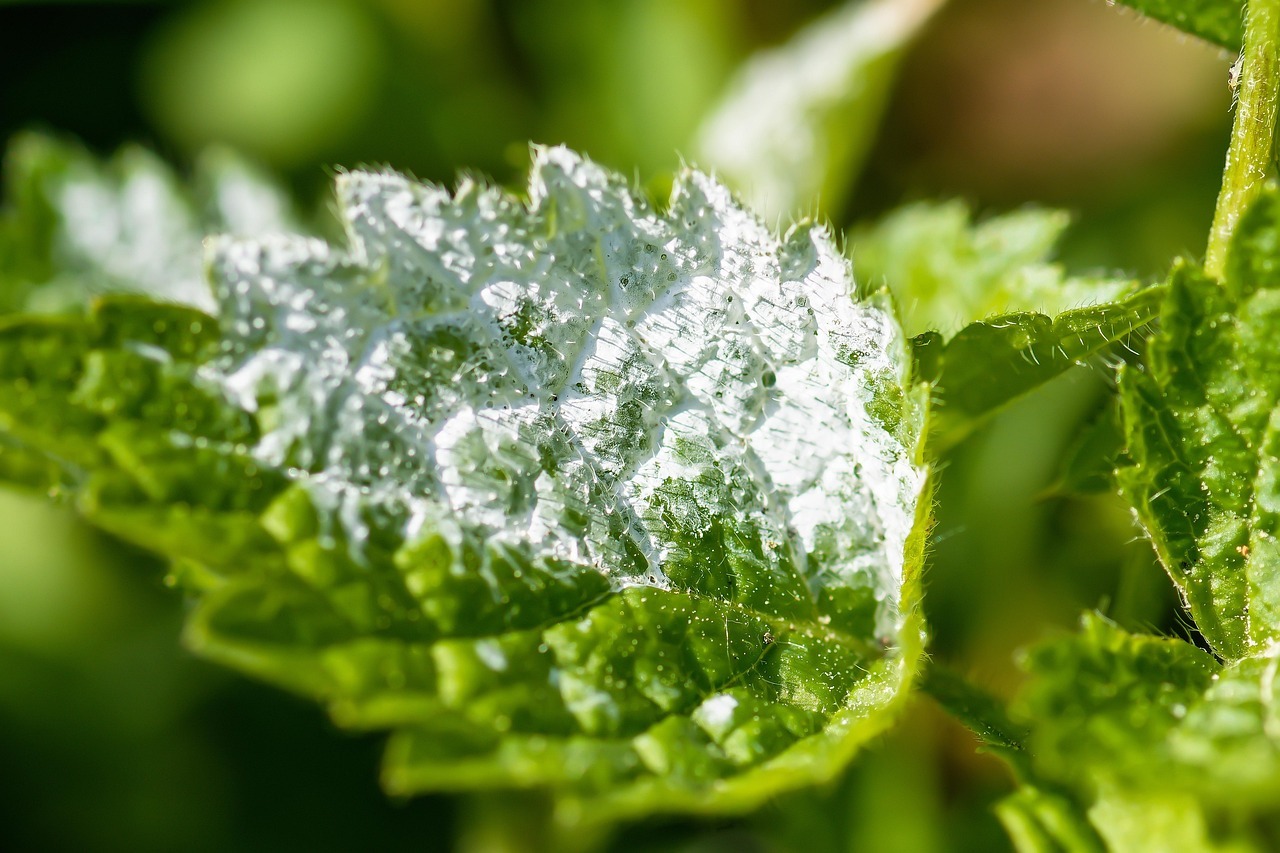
113, 738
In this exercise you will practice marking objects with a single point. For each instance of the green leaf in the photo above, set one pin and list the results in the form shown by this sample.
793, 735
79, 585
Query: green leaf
948, 271
570, 493
988, 364
1155, 737
1040, 821
1202, 435
1218, 21
1038, 817
1105, 703
797, 120
987, 293
1162, 744
1128, 821
1090, 461
980, 712
74, 227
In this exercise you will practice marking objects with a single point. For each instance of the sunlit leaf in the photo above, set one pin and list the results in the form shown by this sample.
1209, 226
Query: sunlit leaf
983, 297
1158, 741
948, 270
990, 363
569, 492
1202, 434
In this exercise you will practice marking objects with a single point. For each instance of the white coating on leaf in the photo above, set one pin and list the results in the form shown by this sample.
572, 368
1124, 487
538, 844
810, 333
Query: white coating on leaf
582, 377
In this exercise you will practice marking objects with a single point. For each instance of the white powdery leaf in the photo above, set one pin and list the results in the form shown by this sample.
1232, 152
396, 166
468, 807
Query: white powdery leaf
584, 377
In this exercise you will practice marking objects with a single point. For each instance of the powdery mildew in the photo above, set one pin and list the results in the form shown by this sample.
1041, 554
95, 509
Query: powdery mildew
580, 375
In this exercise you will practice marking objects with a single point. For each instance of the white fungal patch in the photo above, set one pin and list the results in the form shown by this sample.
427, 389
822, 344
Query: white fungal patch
658, 396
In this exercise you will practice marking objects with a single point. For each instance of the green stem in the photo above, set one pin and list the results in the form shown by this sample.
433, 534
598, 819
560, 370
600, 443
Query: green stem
1249, 156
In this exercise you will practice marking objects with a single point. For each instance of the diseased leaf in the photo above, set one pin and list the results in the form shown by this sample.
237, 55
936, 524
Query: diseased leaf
75, 227
797, 120
569, 492
1202, 434
1218, 21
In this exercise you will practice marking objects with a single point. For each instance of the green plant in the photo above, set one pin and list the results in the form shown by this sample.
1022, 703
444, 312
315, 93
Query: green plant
626, 503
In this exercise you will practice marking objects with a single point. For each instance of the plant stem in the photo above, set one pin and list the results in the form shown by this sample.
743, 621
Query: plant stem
1249, 156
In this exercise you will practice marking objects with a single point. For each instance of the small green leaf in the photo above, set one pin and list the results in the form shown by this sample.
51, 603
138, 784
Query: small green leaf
1202, 434
1107, 702
797, 120
568, 492
988, 364
1218, 21
1160, 743
1040, 821
1090, 461
982, 713
1038, 816
1133, 821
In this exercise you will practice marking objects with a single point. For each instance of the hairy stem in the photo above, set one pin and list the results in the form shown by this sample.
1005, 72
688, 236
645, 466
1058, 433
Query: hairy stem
1249, 156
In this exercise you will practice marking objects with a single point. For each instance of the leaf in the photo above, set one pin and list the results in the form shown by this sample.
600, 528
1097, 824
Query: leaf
1039, 821
796, 121
988, 364
1218, 21
1120, 741
1090, 461
1036, 815
977, 710
1162, 744
1157, 739
570, 493
948, 271
1107, 703
961, 280
1201, 431
1129, 822
75, 227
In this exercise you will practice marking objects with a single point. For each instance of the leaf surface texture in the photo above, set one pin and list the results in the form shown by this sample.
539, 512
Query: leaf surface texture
566, 491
